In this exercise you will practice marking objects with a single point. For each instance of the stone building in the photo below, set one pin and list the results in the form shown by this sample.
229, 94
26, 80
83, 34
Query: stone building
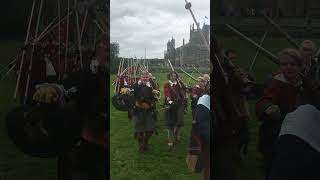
192, 52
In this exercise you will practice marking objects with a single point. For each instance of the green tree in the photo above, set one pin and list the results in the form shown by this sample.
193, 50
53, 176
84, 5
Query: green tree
114, 57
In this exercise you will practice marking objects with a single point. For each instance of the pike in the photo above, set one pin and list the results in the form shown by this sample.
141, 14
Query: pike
31, 59
135, 71
258, 51
24, 51
84, 23
59, 39
3, 76
79, 36
67, 39
188, 74
116, 83
197, 70
119, 75
43, 34
290, 39
170, 65
272, 57
98, 25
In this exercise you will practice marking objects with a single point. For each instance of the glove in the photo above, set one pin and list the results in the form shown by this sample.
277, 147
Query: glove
273, 112
47, 95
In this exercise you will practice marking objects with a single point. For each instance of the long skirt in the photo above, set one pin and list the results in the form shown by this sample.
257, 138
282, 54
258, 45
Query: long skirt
175, 118
143, 120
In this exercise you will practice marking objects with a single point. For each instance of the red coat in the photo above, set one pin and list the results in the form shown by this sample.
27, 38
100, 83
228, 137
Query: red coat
278, 92
172, 92
196, 91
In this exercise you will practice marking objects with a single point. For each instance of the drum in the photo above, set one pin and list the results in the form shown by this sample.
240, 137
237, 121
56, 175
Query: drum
123, 102
43, 131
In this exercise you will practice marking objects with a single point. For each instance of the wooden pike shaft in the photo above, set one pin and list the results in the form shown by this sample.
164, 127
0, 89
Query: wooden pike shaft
84, 23
98, 25
290, 39
258, 51
24, 51
272, 57
53, 27
79, 37
46, 29
31, 58
121, 69
115, 87
197, 70
188, 74
59, 39
67, 40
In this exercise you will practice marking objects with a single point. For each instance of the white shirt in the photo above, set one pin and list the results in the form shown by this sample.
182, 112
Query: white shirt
49, 67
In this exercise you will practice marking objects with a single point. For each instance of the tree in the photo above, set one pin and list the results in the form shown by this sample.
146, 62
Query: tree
114, 57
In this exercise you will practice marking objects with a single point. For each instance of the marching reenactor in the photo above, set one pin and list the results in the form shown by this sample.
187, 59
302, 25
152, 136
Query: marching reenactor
242, 105
143, 111
228, 113
175, 100
279, 98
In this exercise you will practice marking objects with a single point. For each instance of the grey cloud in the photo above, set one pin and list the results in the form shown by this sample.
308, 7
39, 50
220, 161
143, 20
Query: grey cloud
141, 24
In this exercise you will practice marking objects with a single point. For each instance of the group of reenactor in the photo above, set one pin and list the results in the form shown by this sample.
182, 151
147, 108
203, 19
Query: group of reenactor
146, 93
288, 88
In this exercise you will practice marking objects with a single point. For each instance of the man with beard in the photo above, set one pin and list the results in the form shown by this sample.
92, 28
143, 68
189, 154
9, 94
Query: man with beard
143, 112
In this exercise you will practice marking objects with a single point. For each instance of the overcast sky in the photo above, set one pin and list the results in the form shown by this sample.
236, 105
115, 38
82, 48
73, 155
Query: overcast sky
149, 24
